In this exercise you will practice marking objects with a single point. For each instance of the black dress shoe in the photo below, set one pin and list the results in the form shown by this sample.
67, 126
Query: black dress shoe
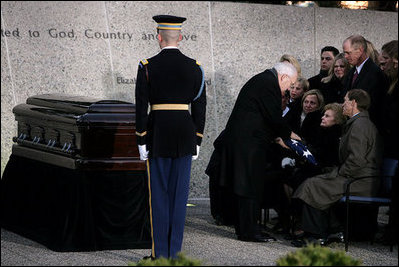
149, 258
302, 242
337, 237
257, 238
298, 243
267, 236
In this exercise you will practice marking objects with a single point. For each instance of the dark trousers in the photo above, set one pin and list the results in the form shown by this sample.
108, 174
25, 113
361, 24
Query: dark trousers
319, 223
169, 180
248, 211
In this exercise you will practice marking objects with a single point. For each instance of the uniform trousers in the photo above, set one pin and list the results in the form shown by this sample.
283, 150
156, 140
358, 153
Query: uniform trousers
169, 180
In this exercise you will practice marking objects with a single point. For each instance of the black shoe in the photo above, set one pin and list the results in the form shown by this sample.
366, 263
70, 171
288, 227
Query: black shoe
149, 258
337, 237
294, 236
257, 238
298, 243
302, 242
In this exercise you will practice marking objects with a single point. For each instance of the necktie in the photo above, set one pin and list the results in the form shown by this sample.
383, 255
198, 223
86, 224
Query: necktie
354, 77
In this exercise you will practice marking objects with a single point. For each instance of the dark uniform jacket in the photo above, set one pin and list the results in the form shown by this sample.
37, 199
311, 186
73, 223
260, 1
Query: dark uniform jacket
256, 120
372, 80
170, 78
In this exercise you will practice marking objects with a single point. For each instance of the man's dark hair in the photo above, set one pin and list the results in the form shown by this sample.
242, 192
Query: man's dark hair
332, 49
361, 97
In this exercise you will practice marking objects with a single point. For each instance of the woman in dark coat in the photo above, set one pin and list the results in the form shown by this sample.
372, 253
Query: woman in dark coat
324, 146
306, 121
325, 150
390, 129
332, 86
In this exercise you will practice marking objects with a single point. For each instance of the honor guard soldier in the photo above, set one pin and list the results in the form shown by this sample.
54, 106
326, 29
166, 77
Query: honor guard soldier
169, 136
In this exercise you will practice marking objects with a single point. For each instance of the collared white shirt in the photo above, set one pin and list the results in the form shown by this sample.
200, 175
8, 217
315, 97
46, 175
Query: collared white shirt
285, 111
169, 47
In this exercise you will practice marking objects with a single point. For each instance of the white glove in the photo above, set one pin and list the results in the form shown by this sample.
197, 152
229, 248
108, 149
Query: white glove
194, 157
143, 152
287, 162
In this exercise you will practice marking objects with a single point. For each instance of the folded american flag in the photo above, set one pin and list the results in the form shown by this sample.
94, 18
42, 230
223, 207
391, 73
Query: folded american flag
301, 150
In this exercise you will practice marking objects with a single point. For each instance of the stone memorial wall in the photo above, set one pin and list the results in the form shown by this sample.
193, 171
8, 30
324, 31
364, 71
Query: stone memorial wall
92, 48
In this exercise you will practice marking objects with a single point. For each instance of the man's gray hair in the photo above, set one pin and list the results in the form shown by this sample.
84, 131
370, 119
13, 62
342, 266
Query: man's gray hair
285, 68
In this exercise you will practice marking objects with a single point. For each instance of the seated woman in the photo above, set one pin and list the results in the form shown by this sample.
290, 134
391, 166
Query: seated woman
324, 149
360, 154
308, 118
306, 123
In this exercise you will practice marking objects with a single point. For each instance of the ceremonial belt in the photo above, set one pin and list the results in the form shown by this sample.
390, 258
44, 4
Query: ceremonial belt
169, 107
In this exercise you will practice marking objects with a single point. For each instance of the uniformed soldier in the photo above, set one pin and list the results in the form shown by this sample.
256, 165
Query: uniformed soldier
169, 136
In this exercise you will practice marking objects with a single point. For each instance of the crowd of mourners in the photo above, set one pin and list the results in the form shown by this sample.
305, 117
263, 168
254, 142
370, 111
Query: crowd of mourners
347, 116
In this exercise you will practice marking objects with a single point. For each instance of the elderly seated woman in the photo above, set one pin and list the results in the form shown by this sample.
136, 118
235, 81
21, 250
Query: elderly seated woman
325, 151
360, 154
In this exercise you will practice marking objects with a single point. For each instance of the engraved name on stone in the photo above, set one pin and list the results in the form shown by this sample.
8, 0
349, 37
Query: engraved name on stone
123, 80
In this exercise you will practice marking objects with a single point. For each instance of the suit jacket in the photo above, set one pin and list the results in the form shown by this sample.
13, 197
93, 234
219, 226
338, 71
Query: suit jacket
360, 154
170, 77
372, 80
256, 120
315, 81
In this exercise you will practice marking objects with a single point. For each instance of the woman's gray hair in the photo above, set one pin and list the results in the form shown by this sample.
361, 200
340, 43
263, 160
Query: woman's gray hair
285, 68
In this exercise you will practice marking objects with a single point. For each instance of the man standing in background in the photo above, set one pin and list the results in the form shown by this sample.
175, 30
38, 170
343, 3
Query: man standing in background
327, 56
366, 75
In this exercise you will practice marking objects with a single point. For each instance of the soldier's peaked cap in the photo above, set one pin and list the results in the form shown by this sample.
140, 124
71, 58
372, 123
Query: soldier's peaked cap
168, 22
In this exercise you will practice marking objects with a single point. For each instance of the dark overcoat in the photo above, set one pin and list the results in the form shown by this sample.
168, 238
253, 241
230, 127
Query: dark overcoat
390, 131
332, 91
372, 80
360, 154
255, 122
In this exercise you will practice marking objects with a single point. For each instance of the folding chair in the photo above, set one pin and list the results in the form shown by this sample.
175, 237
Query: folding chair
384, 197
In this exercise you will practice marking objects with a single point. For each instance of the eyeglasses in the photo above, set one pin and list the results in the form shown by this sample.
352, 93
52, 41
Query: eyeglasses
339, 66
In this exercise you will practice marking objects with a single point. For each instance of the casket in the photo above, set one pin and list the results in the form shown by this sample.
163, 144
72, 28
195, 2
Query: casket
77, 132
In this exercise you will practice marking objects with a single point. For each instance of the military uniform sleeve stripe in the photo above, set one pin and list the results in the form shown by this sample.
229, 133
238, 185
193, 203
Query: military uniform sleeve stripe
141, 134
202, 83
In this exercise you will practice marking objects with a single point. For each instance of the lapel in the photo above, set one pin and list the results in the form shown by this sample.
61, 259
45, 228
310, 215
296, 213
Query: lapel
362, 74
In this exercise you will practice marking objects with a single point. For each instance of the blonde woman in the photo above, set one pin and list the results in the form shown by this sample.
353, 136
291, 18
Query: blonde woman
332, 86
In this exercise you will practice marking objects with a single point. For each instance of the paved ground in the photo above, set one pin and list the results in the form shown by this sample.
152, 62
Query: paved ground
203, 240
